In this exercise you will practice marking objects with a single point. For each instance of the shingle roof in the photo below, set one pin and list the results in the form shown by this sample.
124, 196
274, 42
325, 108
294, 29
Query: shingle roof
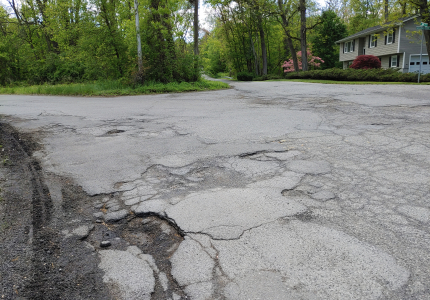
374, 29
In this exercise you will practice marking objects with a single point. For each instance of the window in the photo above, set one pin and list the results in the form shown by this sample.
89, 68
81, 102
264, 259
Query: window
393, 61
348, 47
424, 62
412, 63
373, 41
390, 38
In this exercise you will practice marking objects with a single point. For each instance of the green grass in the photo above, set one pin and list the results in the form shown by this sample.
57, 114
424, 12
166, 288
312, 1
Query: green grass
348, 82
113, 88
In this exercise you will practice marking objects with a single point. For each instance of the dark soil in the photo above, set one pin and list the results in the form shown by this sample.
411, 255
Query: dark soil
37, 260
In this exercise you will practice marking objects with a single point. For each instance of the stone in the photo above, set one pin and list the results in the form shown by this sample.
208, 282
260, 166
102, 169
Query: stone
115, 216
98, 214
82, 231
105, 244
155, 206
132, 201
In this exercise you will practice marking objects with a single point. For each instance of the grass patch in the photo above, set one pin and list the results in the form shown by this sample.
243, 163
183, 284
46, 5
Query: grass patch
114, 88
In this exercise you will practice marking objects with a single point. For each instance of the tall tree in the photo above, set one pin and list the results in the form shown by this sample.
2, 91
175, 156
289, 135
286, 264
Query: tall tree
138, 38
196, 26
303, 29
326, 34
285, 21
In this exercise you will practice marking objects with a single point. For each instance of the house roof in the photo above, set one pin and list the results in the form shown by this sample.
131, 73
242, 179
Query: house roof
377, 28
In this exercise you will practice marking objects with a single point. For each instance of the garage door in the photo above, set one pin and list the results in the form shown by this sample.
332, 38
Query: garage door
414, 64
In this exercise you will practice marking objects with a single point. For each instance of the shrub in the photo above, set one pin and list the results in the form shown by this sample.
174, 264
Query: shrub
313, 62
245, 76
381, 75
366, 62
267, 77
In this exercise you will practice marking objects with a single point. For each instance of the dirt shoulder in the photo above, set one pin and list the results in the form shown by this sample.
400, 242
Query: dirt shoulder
37, 262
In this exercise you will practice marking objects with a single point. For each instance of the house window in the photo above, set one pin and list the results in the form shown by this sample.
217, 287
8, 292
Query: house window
390, 38
373, 40
348, 47
394, 61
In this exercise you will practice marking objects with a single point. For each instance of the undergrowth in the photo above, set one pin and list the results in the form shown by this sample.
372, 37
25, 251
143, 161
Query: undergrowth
113, 88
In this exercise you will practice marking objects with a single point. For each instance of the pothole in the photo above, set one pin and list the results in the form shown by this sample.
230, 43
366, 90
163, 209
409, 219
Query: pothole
154, 236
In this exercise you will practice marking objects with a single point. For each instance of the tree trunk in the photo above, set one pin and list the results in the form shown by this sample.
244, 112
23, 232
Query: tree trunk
255, 56
112, 31
139, 44
303, 35
293, 53
288, 35
263, 49
196, 27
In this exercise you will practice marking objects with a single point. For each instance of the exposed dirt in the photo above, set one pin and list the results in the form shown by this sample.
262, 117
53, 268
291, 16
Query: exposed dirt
38, 258
37, 262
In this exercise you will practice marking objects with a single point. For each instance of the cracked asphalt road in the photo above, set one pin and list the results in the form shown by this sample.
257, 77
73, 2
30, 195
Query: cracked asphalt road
269, 190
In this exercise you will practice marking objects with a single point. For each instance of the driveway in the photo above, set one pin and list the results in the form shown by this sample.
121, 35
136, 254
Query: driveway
268, 190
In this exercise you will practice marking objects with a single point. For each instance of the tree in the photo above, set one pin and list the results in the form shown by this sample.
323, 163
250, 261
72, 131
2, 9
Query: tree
196, 26
303, 29
423, 6
326, 34
285, 11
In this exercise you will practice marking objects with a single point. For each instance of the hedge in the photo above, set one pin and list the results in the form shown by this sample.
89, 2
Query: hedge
380, 75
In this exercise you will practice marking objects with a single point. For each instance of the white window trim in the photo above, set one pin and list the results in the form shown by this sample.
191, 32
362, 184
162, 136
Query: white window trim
373, 41
390, 34
346, 47
395, 65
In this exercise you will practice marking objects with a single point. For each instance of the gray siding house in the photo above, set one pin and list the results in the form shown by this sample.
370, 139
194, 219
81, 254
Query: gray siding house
393, 43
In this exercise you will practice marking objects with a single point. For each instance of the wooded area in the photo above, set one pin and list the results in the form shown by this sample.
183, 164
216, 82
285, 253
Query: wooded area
60, 41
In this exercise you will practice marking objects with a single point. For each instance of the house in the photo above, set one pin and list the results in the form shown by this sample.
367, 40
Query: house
393, 43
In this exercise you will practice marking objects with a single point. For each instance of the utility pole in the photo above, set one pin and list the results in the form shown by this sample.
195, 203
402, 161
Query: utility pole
139, 44
422, 27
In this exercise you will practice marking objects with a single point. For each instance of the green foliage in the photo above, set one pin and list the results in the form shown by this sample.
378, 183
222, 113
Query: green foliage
114, 88
327, 33
213, 54
379, 75
268, 77
67, 41
245, 76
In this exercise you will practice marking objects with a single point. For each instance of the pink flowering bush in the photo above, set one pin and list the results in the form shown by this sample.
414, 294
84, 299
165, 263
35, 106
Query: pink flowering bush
313, 62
